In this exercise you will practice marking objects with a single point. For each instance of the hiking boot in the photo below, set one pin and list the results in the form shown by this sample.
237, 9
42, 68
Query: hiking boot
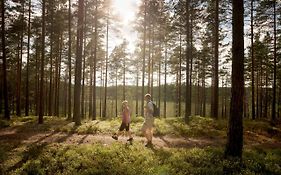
130, 139
115, 137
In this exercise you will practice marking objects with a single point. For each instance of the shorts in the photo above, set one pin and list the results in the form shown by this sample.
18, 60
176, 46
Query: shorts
124, 126
148, 124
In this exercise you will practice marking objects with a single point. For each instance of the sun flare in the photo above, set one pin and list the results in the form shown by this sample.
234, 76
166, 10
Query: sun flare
125, 10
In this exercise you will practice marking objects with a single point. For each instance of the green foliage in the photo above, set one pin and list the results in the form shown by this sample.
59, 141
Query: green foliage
121, 158
133, 159
197, 127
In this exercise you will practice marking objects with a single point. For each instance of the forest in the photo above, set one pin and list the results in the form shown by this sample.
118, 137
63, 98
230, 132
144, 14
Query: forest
70, 69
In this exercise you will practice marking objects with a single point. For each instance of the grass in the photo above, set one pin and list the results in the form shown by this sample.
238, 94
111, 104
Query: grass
17, 157
173, 126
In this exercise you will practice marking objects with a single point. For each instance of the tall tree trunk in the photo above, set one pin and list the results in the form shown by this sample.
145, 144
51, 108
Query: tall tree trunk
266, 94
222, 99
41, 98
234, 143
78, 66
215, 94
273, 109
258, 99
204, 98
191, 57
225, 100
27, 62
106, 66
197, 103
65, 95
180, 64
165, 81
261, 94
116, 93
37, 77
149, 56
279, 101
59, 75
253, 62
204, 89
4, 64
56, 78
159, 84
124, 79
95, 62
69, 61
19, 64
137, 93
152, 62
84, 66
50, 105
91, 81
177, 92
188, 47
143, 59
101, 88
1, 92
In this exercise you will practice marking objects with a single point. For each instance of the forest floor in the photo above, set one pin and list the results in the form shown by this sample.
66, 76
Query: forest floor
24, 136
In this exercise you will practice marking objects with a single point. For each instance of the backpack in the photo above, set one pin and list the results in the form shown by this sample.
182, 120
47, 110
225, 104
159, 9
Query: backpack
156, 111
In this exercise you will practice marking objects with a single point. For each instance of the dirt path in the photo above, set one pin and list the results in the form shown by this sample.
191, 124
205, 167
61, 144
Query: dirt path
11, 135
59, 137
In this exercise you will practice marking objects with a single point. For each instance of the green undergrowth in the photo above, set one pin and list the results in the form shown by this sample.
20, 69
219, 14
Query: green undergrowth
17, 157
174, 126
135, 159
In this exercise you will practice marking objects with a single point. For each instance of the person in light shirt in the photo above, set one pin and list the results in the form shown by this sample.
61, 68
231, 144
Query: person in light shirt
147, 128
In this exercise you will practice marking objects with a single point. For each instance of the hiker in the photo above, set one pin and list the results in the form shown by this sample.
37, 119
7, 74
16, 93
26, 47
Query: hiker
125, 122
147, 128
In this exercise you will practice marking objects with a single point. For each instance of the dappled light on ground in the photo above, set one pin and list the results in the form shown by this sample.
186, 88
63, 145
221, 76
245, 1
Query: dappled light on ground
26, 147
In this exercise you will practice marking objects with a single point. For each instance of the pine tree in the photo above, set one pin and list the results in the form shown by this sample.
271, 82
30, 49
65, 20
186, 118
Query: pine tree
41, 89
4, 63
78, 64
234, 143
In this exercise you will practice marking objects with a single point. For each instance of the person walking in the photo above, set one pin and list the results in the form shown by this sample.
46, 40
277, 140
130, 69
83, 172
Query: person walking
125, 125
147, 128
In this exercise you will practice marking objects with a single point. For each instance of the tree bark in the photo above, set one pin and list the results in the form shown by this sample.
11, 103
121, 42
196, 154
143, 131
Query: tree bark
50, 105
27, 62
84, 66
116, 92
234, 143
165, 81
273, 112
95, 63
19, 64
69, 116
215, 103
124, 78
180, 64
187, 96
106, 67
41, 98
58, 76
143, 59
4, 64
253, 62
78, 66
91, 82
137, 93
